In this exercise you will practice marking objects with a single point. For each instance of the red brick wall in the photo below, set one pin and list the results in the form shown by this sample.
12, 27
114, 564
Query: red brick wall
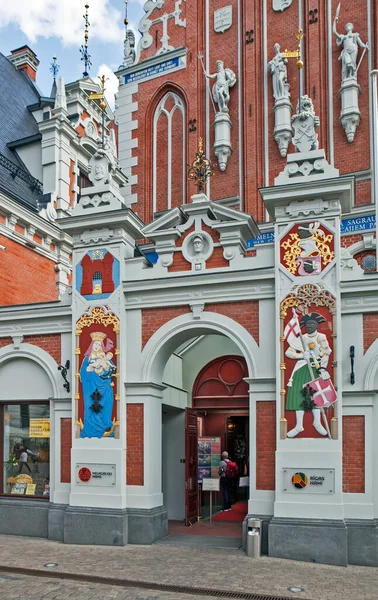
354, 454
5, 342
265, 445
65, 449
348, 240
154, 318
50, 343
246, 313
26, 277
135, 444
370, 329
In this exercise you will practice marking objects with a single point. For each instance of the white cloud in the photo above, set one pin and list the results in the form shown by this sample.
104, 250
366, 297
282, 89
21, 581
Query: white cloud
63, 19
111, 83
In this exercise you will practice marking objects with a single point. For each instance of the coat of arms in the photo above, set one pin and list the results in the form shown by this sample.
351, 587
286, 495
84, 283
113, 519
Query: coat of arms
305, 124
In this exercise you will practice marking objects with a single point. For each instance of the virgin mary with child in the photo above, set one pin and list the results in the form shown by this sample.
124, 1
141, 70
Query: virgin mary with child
96, 375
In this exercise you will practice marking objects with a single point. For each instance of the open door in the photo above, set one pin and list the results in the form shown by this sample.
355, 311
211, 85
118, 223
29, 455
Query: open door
191, 467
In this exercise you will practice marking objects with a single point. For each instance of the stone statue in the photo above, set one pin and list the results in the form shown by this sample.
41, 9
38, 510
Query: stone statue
225, 79
198, 245
305, 123
350, 42
281, 5
129, 49
278, 69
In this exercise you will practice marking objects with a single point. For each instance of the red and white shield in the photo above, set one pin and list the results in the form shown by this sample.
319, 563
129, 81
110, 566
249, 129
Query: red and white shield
325, 394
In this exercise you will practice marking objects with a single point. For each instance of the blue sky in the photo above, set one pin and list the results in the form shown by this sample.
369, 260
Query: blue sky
57, 27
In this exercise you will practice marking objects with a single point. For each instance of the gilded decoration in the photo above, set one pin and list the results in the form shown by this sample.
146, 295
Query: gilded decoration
307, 249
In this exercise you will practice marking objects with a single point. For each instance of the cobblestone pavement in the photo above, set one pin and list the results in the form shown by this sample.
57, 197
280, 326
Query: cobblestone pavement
193, 567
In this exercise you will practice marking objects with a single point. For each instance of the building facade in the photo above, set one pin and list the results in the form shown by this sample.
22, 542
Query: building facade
245, 312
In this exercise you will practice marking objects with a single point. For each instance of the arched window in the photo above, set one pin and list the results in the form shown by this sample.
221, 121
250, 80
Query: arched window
169, 155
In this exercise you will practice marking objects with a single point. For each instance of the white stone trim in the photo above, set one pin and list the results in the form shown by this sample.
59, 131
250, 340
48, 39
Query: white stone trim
173, 333
41, 357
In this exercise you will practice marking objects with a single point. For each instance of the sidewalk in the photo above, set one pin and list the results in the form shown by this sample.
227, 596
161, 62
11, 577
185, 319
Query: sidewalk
193, 567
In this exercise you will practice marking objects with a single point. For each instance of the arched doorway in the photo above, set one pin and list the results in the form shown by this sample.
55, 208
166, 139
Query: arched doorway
220, 399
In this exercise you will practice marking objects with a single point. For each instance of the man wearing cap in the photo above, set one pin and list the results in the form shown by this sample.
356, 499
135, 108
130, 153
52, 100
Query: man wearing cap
313, 352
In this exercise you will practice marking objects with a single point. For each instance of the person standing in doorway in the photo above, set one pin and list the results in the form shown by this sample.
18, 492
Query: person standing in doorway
224, 482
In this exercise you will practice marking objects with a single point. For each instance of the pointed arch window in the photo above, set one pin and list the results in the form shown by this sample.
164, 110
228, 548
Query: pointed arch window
169, 153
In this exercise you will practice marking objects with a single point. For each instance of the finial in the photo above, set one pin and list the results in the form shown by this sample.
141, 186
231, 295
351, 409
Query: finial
201, 168
85, 56
299, 36
101, 96
54, 68
126, 20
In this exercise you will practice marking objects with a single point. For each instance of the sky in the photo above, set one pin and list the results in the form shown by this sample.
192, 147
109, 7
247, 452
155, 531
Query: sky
51, 27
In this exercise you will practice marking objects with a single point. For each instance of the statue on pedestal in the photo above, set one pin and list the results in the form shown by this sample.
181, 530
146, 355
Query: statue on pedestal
278, 69
225, 79
350, 42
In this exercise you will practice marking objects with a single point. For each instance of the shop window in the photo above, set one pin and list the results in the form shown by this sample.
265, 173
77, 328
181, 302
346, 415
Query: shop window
25, 445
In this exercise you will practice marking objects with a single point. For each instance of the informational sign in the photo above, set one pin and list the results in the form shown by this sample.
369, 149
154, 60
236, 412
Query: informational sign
179, 62
39, 428
223, 19
264, 238
30, 489
351, 225
309, 481
358, 224
209, 451
95, 474
210, 485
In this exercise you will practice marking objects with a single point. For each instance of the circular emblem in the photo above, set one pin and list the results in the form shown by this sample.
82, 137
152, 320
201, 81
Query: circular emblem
84, 474
369, 262
299, 480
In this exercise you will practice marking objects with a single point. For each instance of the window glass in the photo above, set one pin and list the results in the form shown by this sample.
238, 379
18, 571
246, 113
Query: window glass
26, 449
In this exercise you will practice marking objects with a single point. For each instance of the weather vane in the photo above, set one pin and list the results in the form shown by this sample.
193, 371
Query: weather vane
54, 68
85, 56
101, 96
201, 168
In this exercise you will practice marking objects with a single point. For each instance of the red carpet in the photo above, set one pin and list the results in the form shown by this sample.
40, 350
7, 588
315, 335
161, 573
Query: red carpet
236, 514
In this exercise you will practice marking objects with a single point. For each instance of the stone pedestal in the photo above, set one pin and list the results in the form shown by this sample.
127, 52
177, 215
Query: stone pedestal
282, 128
350, 115
222, 144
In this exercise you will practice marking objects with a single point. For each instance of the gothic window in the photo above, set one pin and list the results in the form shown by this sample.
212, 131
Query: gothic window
169, 156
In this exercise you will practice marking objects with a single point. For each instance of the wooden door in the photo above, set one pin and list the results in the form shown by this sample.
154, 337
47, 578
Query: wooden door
191, 467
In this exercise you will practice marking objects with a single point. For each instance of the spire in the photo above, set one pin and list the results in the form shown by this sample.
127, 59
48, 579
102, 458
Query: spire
60, 99
85, 56
54, 69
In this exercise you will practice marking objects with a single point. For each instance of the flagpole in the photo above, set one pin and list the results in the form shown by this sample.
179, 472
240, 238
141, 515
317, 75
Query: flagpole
311, 373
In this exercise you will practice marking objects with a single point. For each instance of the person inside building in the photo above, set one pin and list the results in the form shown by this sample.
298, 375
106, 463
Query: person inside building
23, 460
224, 482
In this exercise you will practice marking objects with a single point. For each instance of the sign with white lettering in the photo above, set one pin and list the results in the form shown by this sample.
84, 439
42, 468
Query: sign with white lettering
357, 224
95, 474
351, 225
308, 481
264, 238
223, 19
210, 485
166, 66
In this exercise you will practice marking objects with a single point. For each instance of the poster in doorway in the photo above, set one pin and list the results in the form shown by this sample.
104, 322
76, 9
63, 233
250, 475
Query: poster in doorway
209, 451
